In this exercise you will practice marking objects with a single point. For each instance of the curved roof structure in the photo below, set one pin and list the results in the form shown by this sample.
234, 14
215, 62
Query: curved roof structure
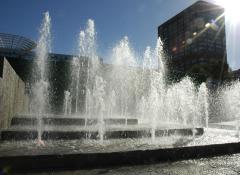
9, 41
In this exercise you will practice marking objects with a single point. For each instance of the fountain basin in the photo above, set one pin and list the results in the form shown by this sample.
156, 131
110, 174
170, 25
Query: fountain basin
68, 120
26, 127
55, 133
230, 125
68, 155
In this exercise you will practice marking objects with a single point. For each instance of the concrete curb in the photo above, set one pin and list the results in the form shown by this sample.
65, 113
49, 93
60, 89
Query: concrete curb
40, 163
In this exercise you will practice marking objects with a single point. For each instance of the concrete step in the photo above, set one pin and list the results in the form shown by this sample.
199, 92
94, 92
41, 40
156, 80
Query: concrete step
54, 127
229, 125
19, 135
60, 120
51, 134
23, 121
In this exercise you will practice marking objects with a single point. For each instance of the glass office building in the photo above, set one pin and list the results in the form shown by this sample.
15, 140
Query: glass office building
195, 41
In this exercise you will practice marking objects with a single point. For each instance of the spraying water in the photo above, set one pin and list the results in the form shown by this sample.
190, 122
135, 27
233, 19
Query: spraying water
94, 83
123, 77
87, 57
40, 89
203, 102
67, 103
230, 99
124, 89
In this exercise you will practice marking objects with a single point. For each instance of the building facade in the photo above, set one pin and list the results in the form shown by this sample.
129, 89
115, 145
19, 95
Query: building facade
195, 42
19, 52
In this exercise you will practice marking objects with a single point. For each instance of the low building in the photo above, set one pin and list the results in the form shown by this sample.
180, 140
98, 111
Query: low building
20, 53
236, 74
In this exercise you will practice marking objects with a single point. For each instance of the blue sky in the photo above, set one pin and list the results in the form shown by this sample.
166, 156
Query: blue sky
114, 19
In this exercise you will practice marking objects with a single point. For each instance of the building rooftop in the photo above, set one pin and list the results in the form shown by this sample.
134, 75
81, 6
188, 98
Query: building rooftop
199, 2
15, 42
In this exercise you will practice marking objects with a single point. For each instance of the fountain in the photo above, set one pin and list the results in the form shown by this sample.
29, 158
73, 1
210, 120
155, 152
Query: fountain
120, 99
116, 108
123, 89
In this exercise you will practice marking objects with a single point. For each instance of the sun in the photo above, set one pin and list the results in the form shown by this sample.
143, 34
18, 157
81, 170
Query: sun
232, 9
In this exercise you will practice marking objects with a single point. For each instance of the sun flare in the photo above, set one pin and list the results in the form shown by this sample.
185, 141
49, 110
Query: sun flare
232, 10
